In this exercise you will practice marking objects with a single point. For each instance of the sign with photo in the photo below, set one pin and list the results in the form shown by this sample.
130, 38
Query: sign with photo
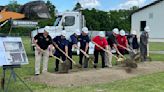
12, 51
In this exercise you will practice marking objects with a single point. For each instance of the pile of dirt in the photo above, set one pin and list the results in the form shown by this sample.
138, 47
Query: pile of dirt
96, 76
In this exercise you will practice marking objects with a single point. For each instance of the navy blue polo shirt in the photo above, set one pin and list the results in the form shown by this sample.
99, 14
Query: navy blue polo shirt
72, 40
83, 41
61, 43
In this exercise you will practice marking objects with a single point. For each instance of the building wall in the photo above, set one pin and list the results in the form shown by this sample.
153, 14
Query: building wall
156, 22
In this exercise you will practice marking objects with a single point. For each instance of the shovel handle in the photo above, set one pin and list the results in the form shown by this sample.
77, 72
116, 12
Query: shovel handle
65, 54
53, 56
124, 47
104, 49
57, 58
83, 52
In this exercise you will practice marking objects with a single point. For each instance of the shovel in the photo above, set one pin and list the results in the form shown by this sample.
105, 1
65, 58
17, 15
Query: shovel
52, 56
68, 57
86, 59
107, 51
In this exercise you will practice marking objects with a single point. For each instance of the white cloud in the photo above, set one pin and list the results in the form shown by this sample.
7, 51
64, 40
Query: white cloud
89, 3
130, 3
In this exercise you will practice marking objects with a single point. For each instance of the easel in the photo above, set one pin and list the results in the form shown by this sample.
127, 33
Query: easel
12, 75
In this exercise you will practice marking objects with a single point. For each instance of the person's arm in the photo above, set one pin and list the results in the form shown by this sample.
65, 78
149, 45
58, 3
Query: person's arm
86, 47
115, 46
74, 41
136, 42
106, 44
107, 47
87, 44
66, 47
144, 39
66, 50
126, 42
54, 42
51, 42
35, 42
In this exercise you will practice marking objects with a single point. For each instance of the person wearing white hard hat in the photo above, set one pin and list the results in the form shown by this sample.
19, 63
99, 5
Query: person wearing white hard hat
84, 45
62, 43
144, 42
112, 41
73, 40
115, 31
101, 41
42, 42
122, 40
85, 30
133, 41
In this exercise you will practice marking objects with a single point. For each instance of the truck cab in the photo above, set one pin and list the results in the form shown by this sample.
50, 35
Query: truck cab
68, 21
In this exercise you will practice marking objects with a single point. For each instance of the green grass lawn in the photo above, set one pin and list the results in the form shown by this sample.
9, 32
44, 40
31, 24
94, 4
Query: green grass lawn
147, 83
157, 46
157, 57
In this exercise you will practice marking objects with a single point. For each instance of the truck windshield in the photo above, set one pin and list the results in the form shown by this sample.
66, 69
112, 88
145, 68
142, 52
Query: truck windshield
57, 21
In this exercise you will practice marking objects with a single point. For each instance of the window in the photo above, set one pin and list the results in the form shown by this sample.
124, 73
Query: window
69, 20
142, 25
57, 21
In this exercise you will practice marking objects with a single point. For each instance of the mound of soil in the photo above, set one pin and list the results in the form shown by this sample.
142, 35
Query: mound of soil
96, 76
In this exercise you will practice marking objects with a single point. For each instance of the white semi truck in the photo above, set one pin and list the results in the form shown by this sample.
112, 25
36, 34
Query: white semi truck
68, 21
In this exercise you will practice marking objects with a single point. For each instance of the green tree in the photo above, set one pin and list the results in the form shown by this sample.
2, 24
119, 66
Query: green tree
13, 6
121, 18
96, 19
51, 8
106, 21
77, 7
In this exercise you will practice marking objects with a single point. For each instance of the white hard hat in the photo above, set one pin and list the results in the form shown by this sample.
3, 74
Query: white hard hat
77, 32
63, 33
115, 30
85, 30
133, 32
101, 34
122, 33
46, 28
147, 29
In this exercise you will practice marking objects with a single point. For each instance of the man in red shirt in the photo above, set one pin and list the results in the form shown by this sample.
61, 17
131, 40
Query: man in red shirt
101, 41
122, 40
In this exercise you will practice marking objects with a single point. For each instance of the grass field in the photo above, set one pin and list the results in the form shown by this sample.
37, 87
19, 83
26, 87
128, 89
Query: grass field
157, 46
147, 83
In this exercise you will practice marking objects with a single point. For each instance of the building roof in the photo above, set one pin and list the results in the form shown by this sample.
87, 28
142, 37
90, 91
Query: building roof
151, 4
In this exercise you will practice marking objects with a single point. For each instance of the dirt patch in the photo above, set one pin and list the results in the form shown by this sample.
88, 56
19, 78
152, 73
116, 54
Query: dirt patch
96, 76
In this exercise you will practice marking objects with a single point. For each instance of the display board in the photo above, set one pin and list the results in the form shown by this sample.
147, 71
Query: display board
12, 51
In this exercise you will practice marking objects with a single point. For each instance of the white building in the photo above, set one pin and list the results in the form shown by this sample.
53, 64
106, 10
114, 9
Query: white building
151, 15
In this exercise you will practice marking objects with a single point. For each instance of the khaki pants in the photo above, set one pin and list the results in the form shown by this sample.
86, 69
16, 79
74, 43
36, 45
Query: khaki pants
108, 58
41, 56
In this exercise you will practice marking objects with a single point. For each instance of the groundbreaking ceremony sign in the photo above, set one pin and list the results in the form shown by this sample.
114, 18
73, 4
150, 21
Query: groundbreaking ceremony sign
12, 51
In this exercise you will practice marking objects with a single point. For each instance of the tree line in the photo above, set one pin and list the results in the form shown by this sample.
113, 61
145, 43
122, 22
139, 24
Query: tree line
106, 21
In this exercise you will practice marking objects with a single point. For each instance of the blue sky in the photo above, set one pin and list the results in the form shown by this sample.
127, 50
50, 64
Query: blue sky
63, 5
